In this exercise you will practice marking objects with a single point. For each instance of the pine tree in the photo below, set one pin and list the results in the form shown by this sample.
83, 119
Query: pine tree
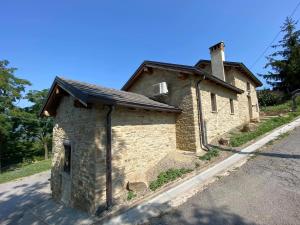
285, 62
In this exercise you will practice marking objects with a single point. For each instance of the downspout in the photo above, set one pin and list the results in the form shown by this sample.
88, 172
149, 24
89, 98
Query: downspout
108, 158
200, 117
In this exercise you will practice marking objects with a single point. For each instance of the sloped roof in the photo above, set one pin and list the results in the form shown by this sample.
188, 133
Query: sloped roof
179, 68
239, 65
90, 93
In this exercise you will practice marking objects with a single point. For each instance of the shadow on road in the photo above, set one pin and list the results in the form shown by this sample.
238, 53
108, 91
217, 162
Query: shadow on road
13, 204
269, 154
216, 216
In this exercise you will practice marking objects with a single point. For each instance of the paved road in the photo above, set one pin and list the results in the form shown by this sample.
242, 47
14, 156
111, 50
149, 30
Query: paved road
18, 196
266, 190
28, 201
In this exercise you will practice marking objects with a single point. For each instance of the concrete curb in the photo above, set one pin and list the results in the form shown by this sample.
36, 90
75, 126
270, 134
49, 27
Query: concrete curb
163, 202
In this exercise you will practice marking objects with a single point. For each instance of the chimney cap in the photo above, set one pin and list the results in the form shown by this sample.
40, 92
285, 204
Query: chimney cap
220, 45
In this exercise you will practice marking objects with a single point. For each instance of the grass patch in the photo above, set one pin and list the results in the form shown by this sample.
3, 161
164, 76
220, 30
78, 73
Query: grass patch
167, 176
25, 171
285, 107
130, 195
214, 152
264, 127
282, 108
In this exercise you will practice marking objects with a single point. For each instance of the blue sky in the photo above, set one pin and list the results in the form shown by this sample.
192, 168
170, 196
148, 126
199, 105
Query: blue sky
104, 42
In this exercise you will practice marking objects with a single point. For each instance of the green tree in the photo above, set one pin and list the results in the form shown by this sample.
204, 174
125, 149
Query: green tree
23, 134
11, 91
41, 128
11, 87
285, 61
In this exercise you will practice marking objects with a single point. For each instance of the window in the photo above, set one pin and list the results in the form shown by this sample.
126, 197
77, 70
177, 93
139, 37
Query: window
248, 87
67, 160
213, 102
231, 106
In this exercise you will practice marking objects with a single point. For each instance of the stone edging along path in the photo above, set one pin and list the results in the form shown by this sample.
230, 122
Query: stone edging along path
177, 195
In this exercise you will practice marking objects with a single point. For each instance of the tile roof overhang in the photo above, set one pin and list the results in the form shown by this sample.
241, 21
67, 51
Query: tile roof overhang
239, 65
88, 94
179, 68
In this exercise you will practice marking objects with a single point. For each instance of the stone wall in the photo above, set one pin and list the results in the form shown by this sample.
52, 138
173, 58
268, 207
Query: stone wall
222, 121
182, 95
85, 129
241, 82
141, 139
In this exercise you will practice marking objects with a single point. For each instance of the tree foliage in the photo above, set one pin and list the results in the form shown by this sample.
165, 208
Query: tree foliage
285, 61
268, 97
23, 134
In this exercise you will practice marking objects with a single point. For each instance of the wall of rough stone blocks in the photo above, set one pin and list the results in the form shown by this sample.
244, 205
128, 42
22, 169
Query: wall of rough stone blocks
241, 82
85, 129
140, 140
180, 95
222, 121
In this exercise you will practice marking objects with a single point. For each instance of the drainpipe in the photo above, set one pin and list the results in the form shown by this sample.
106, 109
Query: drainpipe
200, 117
108, 159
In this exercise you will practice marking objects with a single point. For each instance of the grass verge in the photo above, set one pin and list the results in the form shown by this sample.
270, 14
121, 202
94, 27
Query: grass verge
264, 127
167, 176
25, 171
210, 154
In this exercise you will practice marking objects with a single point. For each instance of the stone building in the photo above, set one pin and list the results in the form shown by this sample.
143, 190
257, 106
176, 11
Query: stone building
104, 138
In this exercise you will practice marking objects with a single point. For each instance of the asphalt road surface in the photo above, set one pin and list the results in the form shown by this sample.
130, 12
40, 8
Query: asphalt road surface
17, 197
266, 190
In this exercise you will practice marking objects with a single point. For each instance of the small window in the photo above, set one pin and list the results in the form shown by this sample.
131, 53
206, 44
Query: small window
231, 106
248, 87
213, 102
67, 160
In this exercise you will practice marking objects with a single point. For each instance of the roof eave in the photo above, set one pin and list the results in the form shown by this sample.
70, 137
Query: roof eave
94, 99
91, 99
157, 65
67, 88
235, 64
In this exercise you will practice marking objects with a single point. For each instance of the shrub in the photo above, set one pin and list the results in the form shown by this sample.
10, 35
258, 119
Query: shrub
130, 195
167, 176
268, 98
210, 154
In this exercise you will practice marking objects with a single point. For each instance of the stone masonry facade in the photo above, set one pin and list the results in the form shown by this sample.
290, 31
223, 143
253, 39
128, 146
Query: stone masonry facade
181, 95
222, 121
140, 140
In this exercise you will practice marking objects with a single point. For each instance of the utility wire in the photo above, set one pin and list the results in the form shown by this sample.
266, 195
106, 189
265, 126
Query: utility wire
274, 39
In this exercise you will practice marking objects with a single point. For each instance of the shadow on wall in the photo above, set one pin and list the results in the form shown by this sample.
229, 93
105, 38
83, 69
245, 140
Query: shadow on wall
118, 170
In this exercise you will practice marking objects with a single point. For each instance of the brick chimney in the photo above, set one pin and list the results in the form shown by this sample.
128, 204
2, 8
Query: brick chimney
217, 58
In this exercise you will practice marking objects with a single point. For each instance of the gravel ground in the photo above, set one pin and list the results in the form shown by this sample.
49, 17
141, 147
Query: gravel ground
266, 190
